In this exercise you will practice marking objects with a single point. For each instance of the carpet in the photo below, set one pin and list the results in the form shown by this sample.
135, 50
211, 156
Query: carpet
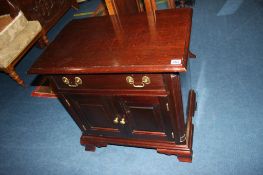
38, 136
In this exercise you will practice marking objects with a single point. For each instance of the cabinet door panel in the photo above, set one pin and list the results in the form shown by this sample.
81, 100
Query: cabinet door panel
147, 117
97, 112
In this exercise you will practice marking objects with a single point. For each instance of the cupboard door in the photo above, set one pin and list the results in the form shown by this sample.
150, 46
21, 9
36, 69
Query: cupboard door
147, 117
97, 113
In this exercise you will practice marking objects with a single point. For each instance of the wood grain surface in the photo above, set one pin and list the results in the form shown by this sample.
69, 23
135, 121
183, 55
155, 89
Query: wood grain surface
120, 44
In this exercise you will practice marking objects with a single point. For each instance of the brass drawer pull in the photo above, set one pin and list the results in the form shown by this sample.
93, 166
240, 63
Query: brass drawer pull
145, 80
77, 82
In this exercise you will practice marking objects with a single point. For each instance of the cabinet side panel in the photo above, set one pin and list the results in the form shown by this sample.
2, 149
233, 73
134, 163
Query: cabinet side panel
186, 86
173, 88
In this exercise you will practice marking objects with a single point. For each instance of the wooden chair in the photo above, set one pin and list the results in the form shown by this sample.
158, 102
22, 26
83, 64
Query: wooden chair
17, 35
122, 7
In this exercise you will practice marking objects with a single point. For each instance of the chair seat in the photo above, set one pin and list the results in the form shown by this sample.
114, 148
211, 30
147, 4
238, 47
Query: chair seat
14, 48
12, 29
17, 35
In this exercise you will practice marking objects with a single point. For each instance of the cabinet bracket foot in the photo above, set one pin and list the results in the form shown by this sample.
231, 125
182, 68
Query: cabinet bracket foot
185, 159
89, 147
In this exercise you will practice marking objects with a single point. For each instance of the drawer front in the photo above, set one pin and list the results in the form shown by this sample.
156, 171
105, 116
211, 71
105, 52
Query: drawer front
110, 81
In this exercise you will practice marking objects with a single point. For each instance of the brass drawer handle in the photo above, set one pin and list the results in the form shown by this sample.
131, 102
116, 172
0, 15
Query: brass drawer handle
145, 80
77, 82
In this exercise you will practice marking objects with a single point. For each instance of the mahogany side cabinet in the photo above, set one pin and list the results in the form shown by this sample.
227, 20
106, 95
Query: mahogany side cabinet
125, 80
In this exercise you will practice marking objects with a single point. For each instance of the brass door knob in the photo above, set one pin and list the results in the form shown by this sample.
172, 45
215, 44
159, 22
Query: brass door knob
123, 122
116, 120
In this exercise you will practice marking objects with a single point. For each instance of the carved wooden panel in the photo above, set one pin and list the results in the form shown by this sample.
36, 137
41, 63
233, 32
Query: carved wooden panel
47, 12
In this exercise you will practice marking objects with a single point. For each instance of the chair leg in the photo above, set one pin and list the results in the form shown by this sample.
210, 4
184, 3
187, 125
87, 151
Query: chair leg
43, 41
12, 73
171, 4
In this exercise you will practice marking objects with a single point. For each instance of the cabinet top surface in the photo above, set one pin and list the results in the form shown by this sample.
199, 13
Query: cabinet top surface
120, 44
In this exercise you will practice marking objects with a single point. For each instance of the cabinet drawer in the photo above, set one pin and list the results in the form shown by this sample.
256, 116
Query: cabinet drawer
112, 81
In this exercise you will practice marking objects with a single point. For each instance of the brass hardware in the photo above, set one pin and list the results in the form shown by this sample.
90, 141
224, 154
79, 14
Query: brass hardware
77, 82
145, 80
129, 80
116, 120
67, 102
123, 121
183, 138
172, 135
84, 127
167, 107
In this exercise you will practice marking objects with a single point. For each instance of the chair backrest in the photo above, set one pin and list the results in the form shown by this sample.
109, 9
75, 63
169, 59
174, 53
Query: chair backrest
121, 7
127, 7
